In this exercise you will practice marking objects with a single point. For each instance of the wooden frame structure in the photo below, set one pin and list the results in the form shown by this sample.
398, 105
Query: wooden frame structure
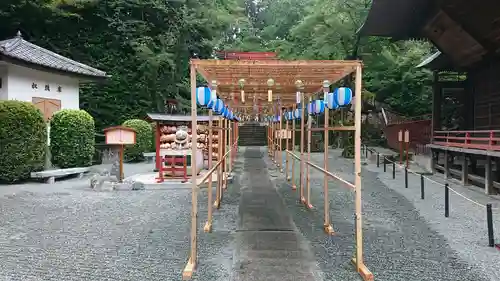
288, 78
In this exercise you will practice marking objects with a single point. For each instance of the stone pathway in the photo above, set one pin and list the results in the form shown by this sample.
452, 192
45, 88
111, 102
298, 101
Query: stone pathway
268, 245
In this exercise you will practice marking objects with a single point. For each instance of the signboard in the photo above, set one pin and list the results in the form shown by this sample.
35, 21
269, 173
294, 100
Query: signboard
120, 135
407, 136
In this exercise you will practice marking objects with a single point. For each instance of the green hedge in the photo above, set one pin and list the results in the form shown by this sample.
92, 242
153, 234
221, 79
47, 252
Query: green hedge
23, 138
143, 139
72, 138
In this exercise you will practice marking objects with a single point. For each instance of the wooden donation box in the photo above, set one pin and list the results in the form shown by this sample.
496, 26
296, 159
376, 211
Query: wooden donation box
119, 136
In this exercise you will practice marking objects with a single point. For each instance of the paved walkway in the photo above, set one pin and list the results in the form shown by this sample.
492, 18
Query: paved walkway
268, 245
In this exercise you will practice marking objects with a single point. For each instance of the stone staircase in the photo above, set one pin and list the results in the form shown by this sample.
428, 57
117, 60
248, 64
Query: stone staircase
252, 134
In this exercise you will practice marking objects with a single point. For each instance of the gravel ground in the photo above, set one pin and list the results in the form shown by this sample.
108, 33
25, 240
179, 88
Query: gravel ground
465, 229
399, 242
66, 231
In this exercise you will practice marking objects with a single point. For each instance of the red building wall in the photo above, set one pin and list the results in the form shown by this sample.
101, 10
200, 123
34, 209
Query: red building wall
420, 133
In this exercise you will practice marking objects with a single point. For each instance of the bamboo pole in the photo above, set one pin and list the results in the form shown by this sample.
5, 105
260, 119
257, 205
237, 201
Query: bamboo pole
188, 270
302, 162
308, 170
358, 260
208, 225
294, 186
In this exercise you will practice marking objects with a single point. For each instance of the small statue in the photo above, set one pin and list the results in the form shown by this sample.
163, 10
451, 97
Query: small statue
181, 137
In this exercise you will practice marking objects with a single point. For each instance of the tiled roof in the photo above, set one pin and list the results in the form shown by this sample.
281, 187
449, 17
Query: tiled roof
20, 49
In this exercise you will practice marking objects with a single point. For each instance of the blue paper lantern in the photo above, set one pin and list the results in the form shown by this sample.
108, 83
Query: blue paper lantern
310, 108
211, 104
219, 106
297, 113
342, 96
331, 103
319, 106
202, 95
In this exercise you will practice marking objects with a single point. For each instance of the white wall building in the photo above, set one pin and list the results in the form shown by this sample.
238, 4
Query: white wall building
33, 74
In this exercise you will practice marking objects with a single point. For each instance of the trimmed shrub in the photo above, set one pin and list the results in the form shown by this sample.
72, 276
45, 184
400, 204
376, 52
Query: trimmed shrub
143, 144
72, 138
23, 139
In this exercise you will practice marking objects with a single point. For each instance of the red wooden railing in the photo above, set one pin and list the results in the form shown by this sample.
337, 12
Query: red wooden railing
484, 139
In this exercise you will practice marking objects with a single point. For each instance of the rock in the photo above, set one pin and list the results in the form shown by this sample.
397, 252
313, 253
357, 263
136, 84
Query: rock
102, 182
138, 186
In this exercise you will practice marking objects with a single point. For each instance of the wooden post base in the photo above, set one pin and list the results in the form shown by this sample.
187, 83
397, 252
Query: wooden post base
217, 204
328, 229
289, 178
208, 227
187, 273
365, 273
309, 205
294, 187
303, 200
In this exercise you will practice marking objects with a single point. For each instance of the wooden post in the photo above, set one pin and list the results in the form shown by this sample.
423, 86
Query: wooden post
446, 165
280, 139
294, 187
302, 162
158, 143
308, 170
358, 260
327, 226
230, 137
287, 148
218, 191
121, 163
208, 225
465, 169
488, 179
191, 265
224, 150
400, 139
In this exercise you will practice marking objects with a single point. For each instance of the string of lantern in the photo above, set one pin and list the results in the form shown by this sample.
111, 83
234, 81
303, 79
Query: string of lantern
207, 98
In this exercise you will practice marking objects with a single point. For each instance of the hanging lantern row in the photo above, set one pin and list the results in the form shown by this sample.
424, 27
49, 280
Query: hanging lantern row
207, 98
341, 97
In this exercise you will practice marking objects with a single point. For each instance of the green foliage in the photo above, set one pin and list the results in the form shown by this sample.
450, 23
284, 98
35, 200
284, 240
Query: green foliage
143, 139
23, 136
72, 138
146, 45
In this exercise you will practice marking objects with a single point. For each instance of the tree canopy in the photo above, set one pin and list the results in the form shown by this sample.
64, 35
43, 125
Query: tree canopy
145, 45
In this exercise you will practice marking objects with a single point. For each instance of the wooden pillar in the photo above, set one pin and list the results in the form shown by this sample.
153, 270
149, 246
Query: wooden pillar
446, 164
219, 169
326, 225
436, 105
280, 138
224, 163
308, 169
294, 187
158, 149
465, 169
358, 260
488, 180
302, 160
191, 265
287, 148
208, 224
